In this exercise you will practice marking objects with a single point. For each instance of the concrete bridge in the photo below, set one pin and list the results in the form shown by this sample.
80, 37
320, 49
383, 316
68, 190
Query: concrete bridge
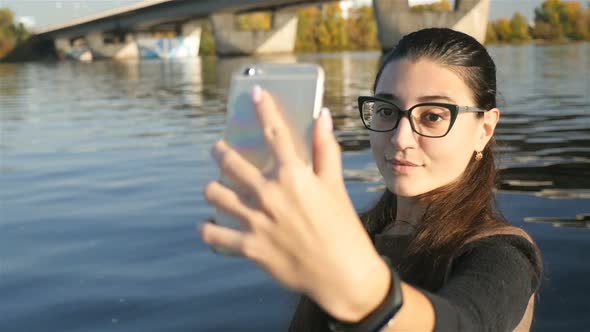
172, 28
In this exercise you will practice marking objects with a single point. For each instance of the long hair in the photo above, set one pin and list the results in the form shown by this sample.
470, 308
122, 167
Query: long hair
455, 213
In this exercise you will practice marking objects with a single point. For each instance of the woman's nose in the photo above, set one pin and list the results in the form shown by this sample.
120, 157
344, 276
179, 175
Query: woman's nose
403, 136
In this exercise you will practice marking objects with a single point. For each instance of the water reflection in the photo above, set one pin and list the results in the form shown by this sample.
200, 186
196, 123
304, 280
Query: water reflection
545, 127
580, 221
544, 133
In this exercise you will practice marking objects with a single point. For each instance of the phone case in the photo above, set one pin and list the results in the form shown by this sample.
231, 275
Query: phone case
298, 91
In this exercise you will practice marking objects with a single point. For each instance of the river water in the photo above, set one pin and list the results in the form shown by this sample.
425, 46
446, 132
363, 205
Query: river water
102, 167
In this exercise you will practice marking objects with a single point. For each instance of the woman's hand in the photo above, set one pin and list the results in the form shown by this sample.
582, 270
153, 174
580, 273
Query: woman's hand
300, 225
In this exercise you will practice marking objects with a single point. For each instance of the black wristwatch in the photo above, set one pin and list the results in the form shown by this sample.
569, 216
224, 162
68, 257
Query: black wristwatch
379, 318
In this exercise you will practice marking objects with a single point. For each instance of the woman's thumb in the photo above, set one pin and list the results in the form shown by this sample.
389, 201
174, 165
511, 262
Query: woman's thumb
327, 159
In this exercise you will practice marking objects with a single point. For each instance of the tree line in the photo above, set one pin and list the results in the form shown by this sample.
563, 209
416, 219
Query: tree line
11, 33
325, 28
555, 21
320, 29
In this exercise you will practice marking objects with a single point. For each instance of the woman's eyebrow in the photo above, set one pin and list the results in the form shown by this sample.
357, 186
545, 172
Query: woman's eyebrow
422, 99
386, 95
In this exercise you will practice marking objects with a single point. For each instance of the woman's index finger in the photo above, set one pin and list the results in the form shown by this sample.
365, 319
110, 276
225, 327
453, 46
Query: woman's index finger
277, 132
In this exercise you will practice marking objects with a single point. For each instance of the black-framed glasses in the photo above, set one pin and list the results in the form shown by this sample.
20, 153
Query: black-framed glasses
426, 119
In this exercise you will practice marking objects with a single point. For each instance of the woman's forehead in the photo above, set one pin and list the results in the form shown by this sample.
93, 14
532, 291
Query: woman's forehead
409, 79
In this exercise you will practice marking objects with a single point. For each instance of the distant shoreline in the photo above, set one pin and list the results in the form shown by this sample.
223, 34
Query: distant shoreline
538, 42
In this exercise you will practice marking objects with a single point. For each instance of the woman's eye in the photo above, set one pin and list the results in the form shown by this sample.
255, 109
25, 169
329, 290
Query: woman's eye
385, 112
432, 117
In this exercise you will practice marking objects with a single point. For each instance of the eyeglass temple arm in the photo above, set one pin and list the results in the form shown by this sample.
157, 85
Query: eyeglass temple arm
470, 109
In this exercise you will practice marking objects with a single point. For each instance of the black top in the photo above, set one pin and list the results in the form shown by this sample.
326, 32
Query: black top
488, 286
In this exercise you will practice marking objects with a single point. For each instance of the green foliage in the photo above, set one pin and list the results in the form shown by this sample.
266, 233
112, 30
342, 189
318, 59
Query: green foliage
332, 32
512, 30
207, 45
254, 21
491, 35
503, 29
440, 6
362, 29
11, 34
6, 36
519, 28
324, 29
309, 20
556, 20
321, 30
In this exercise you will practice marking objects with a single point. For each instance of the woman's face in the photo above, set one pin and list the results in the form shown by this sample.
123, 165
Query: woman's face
412, 164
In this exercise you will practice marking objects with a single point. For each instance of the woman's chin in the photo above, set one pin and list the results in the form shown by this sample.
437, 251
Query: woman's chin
405, 190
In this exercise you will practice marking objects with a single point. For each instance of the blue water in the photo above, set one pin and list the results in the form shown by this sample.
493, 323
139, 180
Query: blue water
102, 167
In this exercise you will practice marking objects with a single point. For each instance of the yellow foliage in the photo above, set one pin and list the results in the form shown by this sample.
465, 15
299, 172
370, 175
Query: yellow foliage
254, 21
440, 6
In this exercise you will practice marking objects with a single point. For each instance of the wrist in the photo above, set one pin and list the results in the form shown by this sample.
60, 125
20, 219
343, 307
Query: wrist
380, 317
363, 293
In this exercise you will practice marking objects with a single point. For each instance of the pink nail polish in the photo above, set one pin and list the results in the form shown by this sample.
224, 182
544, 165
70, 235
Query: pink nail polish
256, 94
328, 118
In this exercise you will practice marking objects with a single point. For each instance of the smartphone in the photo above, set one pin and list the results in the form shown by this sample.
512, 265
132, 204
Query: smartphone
297, 89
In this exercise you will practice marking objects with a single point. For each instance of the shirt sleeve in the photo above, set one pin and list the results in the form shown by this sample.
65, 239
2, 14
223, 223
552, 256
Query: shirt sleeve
489, 286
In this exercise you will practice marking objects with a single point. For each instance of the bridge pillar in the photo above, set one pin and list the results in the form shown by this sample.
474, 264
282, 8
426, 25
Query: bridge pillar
76, 49
394, 19
191, 32
112, 47
279, 39
185, 45
63, 45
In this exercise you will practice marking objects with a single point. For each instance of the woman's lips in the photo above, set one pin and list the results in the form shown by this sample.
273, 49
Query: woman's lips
402, 166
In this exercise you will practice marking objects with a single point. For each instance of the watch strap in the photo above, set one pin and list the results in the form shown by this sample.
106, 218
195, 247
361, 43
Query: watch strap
381, 316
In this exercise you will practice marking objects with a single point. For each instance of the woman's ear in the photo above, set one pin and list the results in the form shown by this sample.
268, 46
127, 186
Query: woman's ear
488, 125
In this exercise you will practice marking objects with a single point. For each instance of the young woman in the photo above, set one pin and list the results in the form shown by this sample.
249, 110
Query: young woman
433, 253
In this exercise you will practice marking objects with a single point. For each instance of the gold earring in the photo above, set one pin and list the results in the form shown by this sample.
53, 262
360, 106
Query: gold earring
478, 156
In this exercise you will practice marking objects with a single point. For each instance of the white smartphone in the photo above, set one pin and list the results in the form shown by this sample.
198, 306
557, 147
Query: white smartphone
297, 89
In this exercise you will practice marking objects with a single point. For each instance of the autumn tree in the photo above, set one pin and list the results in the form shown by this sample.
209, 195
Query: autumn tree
557, 20
254, 21
332, 31
362, 29
11, 34
491, 35
440, 6
519, 28
207, 44
309, 19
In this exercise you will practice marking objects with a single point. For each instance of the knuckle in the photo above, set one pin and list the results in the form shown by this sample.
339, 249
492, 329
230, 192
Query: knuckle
210, 191
259, 221
249, 247
286, 173
226, 161
267, 194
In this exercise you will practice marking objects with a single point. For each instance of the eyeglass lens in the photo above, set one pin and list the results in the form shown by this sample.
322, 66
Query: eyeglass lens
428, 120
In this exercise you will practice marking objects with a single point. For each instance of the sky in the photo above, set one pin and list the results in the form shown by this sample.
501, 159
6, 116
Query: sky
49, 12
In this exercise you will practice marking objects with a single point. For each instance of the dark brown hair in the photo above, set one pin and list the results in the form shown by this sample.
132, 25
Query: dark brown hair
456, 213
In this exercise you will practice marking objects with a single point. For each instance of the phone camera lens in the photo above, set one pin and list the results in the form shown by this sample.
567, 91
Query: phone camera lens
250, 71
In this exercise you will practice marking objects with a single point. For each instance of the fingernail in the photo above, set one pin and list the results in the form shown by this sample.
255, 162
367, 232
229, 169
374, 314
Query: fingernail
325, 113
214, 152
256, 94
200, 227
202, 224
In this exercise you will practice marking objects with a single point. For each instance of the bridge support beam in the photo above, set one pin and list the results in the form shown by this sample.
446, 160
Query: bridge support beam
123, 48
394, 19
279, 39
186, 45
63, 45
